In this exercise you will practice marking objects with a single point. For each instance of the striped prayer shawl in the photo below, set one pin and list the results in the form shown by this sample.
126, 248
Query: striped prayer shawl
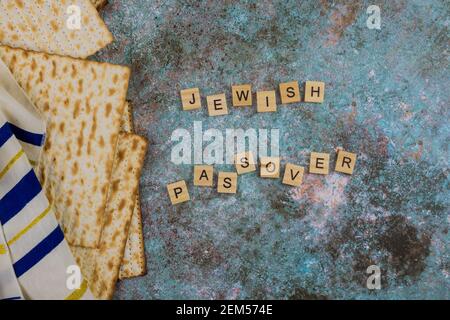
34, 256
24, 119
9, 287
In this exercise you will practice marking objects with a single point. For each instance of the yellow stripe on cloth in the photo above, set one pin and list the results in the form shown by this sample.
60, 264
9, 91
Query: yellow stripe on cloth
78, 293
11, 163
2, 249
31, 225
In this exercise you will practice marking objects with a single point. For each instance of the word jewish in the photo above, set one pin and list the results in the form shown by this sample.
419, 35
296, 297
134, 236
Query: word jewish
265, 100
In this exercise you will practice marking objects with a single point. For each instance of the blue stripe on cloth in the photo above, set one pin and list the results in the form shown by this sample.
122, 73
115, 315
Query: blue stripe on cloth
12, 298
19, 196
39, 252
8, 129
35, 139
5, 133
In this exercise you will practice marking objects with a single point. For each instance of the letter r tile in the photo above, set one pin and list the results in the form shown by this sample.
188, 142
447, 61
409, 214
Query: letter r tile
345, 162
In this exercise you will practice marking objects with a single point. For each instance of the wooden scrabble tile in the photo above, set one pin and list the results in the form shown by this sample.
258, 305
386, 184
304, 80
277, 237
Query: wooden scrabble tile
289, 92
345, 162
217, 105
190, 98
178, 192
270, 167
245, 162
266, 101
242, 95
314, 91
293, 175
203, 176
227, 182
319, 163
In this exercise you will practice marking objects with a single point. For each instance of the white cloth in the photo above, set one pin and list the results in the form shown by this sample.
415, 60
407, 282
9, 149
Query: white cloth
21, 114
9, 287
34, 256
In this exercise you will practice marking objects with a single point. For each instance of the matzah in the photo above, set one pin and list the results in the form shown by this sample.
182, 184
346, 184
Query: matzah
83, 103
133, 263
101, 266
64, 27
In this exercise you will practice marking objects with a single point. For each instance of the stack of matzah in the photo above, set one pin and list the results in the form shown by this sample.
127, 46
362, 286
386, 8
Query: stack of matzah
91, 163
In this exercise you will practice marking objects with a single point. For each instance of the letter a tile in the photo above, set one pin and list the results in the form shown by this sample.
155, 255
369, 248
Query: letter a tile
203, 176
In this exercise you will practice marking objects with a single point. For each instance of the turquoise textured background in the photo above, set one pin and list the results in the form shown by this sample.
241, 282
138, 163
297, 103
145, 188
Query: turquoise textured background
387, 99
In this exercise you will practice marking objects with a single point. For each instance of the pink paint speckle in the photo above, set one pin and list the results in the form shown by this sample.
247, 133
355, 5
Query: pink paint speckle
327, 191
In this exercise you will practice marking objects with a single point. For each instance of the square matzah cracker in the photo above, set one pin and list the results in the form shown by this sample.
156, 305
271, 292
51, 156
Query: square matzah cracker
83, 103
45, 26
